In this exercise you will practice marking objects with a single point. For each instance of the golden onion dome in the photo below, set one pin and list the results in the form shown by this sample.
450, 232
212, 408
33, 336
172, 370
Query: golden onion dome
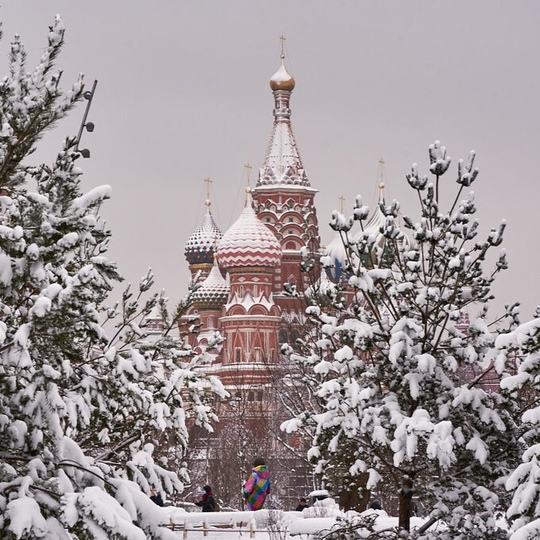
282, 79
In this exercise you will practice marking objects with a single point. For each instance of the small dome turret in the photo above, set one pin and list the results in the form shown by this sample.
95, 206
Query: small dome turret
281, 79
201, 244
213, 292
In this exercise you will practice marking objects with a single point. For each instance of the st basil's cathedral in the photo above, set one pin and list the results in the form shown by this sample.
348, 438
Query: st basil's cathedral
243, 273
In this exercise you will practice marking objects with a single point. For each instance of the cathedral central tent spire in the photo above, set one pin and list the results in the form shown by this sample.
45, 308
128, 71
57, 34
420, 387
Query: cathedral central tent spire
282, 163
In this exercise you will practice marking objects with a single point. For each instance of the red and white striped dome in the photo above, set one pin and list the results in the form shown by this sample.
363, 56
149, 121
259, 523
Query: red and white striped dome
248, 242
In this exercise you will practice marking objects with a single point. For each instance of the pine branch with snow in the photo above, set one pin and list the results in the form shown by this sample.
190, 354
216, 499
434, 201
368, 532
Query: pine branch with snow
522, 346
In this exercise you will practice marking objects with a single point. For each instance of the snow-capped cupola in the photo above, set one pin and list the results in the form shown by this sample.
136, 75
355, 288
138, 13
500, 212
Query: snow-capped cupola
201, 244
248, 242
281, 79
213, 292
282, 163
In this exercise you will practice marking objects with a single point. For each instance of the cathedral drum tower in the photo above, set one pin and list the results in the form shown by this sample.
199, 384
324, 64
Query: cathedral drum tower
284, 202
250, 319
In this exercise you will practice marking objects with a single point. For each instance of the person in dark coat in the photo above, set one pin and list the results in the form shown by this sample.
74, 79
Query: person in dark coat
301, 505
207, 501
156, 498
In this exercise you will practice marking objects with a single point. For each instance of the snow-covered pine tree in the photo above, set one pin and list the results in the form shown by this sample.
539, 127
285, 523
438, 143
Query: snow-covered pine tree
522, 346
81, 413
399, 381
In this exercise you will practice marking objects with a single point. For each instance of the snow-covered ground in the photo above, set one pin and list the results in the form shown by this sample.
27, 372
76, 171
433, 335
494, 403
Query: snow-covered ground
268, 524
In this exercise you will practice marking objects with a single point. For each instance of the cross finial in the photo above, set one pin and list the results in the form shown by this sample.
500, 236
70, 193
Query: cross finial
382, 173
207, 181
282, 38
341, 199
381, 168
248, 168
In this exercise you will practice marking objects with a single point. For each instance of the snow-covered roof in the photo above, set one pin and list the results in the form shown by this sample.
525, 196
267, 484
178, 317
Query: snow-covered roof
282, 164
248, 242
201, 244
248, 301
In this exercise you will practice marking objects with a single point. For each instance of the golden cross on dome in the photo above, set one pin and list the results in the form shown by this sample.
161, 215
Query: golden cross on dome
381, 168
382, 175
248, 168
282, 38
341, 203
207, 181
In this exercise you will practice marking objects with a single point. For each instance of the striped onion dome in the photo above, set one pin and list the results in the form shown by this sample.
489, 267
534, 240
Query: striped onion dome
248, 242
201, 244
213, 292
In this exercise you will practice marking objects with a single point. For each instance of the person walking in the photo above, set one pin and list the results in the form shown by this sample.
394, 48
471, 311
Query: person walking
207, 501
257, 485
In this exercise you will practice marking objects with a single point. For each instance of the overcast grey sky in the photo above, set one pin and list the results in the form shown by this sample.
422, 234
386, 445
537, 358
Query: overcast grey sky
183, 95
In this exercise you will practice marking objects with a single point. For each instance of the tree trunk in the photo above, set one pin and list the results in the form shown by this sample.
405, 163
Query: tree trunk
405, 503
